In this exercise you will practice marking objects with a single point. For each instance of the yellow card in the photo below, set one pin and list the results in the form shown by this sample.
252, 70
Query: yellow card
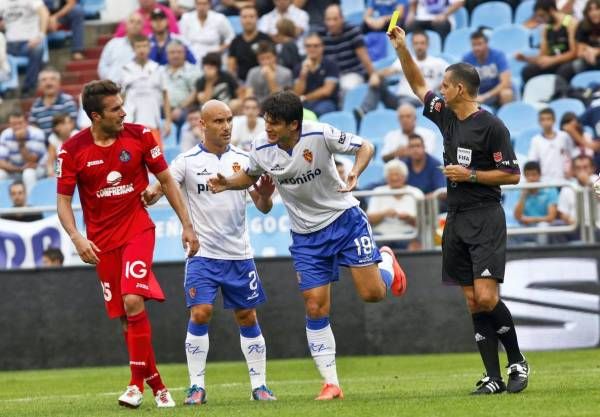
394, 20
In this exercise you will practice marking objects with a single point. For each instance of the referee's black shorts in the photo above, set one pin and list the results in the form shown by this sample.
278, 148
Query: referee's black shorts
474, 244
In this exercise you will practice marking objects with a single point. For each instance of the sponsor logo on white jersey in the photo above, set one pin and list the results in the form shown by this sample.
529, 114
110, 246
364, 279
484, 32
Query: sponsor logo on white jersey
155, 152
308, 176
96, 162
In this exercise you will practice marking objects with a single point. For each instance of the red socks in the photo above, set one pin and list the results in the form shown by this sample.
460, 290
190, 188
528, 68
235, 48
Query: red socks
152, 375
139, 345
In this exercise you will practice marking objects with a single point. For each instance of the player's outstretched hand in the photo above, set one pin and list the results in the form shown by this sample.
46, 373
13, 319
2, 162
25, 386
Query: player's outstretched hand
397, 37
351, 181
86, 250
265, 186
217, 184
190, 241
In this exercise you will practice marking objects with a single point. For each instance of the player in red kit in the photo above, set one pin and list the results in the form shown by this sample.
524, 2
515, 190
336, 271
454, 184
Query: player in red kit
109, 164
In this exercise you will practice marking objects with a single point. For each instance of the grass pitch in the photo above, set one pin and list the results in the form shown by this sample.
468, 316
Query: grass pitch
561, 384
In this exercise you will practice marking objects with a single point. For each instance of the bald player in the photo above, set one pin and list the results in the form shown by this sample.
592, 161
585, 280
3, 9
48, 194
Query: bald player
225, 257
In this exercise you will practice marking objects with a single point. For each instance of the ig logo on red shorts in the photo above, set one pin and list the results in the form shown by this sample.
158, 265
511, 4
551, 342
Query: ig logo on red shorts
136, 269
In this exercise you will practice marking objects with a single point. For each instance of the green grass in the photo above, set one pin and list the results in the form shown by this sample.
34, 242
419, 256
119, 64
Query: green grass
562, 384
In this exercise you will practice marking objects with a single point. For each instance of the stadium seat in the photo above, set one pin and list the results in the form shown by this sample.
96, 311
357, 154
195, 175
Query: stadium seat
518, 116
585, 79
43, 193
352, 6
23, 61
235, 23
354, 18
372, 176
450, 59
510, 198
171, 153
523, 140
487, 108
5, 201
378, 123
343, 120
491, 15
13, 82
458, 42
354, 97
384, 62
435, 42
461, 18
535, 35
510, 39
564, 105
539, 90
92, 8
524, 11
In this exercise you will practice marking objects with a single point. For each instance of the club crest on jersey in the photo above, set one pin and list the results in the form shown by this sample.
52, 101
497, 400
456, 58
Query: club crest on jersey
308, 155
192, 292
236, 167
124, 156
497, 156
438, 107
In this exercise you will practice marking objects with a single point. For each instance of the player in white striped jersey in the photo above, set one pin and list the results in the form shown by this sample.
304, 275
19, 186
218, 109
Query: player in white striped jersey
225, 258
328, 227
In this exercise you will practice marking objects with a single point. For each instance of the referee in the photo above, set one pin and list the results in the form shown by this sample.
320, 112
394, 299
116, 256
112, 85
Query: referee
478, 158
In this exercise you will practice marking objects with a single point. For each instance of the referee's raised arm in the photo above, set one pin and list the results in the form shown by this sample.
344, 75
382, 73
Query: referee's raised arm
409, 67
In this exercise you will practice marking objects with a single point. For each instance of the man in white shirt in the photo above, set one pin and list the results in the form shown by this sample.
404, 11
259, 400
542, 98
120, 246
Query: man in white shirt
119, 51
145, 90
395, 215
328, 228
395, 143
431, 67
285, 9
206, 30
224, 260
248, 126
26, 24
552, 148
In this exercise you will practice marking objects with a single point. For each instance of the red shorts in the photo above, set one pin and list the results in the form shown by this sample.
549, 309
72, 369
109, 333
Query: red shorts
128, 270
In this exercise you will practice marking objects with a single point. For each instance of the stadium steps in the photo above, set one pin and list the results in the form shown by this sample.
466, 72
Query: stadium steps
83, 65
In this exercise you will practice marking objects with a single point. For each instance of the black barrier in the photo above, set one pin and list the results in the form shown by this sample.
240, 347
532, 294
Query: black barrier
55, 318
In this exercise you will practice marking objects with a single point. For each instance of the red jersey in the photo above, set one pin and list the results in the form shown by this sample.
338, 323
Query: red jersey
110, 180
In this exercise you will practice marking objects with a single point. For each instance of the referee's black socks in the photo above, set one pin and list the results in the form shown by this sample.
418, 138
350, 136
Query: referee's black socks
505, 328
487, 342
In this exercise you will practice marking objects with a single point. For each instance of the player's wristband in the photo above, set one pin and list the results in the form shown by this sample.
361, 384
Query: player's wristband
473, 176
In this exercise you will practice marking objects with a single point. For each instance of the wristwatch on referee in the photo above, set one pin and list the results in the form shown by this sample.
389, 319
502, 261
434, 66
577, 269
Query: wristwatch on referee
473, 175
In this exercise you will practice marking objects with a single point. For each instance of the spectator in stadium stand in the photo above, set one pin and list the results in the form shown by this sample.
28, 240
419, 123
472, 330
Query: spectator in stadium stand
145, 10
431, 67
268, 77
145, 91
191, 131
160, 38
315, 10
180, 78
52, 257
551, 148
22, 148
216, 83
52, 101
4, 64
587, 38
68, 14
18, 196
395, 214
494, 73
570, 124
246, 127
345, 45
63, 127
118, 52
285, 9
433, 15
206, 30
317, 78
395, 142
591, 119
558, 47
232, 7
25, 25
287, 50
242, 51
423, 169
379, 13
536, 206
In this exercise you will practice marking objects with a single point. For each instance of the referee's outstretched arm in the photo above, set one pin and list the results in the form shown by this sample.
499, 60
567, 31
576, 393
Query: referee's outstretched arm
409, 67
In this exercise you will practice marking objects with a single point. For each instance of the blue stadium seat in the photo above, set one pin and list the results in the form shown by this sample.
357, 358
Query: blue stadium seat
13, 82
92, 8
171, 153
586, 79
352, 6
522, 141
354, 97
539, 90
378, 123
461, 18
236, 24
5, 201
372, 176
23, 61
343, 120
535, 35
450, 59
564, 105
458, 42
518, 116
435, 42
489, 109
524, 11
491, 14
384, 62
58, 37
43, 193
510, 39
354, 18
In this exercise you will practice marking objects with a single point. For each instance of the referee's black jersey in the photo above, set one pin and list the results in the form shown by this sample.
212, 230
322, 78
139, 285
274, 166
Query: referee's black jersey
480, 142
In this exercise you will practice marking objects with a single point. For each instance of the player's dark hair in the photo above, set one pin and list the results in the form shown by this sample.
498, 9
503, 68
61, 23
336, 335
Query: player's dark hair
586, 23
92, 98
467, 75
59, 118
478, 34
532, 166
249, 6
417, 137
265, 47
283, 106
420, 32
54, 254
212, 58
545, 5
139, 38
548, 111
